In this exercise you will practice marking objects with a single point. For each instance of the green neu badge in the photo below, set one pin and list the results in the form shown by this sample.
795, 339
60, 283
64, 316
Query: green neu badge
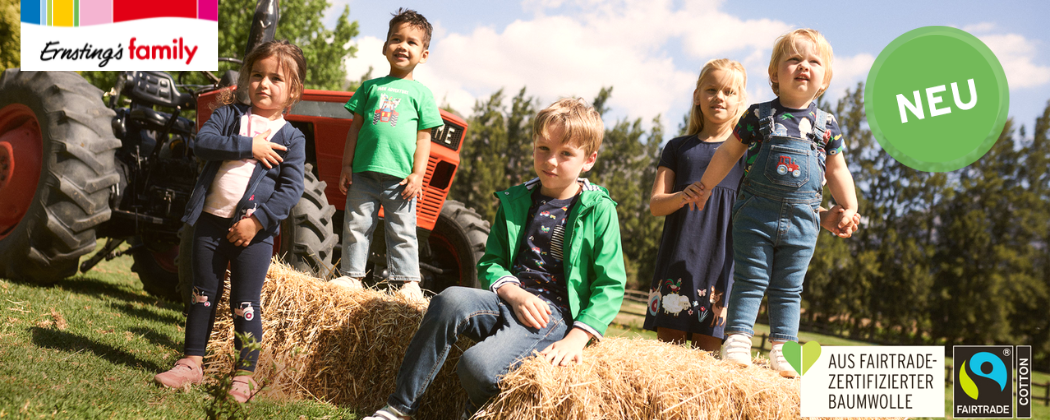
936, 99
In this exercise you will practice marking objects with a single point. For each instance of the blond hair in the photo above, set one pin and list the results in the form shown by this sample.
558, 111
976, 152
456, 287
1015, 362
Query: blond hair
737, 80
291, 64
581, 125
785, 46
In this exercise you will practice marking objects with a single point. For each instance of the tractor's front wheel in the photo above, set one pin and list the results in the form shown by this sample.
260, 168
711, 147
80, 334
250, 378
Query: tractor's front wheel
157, 267
56, 172
456, 245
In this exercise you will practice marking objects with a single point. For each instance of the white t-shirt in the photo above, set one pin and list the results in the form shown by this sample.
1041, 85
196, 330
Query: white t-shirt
231, 181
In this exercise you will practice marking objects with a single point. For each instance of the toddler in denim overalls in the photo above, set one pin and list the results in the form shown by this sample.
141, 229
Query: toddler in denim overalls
775, 218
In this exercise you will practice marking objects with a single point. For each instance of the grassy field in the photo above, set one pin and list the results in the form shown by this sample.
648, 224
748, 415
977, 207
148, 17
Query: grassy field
88, 347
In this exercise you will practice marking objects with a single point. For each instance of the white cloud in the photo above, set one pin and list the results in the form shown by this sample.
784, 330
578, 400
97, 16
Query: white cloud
576, 47
979, 27
1017, 54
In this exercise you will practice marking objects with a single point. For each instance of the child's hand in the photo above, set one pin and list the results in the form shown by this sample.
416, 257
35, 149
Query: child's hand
264, 151
242, 232
837, 222
530, 310
690, 194
413, 186
698, 201
568, 349
346, 177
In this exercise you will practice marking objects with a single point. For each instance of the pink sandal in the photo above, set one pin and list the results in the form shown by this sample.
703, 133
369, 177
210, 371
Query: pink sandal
243, 388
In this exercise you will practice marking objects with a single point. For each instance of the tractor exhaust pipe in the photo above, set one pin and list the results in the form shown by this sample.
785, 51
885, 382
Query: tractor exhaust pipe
264, 24
264, 27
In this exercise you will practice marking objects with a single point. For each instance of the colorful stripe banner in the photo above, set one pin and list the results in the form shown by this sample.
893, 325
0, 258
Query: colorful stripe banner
74, 13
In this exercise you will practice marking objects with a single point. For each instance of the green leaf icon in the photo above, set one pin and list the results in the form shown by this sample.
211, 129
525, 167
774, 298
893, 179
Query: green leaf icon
801, 358
793, 354
968, 386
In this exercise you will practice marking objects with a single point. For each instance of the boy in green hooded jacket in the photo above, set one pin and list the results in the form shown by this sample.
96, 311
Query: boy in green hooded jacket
553, 272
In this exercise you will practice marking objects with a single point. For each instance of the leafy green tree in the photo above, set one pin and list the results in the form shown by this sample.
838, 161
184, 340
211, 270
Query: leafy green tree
10, 34
626, 166
482, 170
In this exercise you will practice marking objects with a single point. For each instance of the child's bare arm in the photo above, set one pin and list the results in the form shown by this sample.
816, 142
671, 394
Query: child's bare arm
346, 174
414, 183
727, 155
840, 182
568, 349
663, 200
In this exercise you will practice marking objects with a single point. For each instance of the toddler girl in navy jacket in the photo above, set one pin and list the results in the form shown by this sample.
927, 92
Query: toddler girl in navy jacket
252, 178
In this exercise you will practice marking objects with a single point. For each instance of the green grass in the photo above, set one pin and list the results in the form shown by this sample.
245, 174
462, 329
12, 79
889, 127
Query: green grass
632, 315
88, 347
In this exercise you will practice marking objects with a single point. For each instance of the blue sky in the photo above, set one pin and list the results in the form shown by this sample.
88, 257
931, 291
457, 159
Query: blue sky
651, 51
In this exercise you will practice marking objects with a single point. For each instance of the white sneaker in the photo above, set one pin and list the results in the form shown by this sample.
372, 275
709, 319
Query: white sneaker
348, 283
411, 291
780, 364
737, 349
388, 413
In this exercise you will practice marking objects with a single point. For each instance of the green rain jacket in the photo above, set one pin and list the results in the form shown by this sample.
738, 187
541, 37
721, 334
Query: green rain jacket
594, 270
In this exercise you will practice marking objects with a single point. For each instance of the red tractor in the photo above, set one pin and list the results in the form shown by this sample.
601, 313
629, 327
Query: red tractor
73, 169
785, 165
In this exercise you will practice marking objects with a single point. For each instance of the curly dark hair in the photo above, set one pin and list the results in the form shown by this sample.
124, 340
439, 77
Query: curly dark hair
413, 18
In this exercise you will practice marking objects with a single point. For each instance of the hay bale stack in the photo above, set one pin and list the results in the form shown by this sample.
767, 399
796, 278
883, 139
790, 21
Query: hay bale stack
644, 379
341, 346
346, 347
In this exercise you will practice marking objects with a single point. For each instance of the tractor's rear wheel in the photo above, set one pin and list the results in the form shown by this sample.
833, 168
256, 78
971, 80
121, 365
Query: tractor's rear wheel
56, 172
456, 244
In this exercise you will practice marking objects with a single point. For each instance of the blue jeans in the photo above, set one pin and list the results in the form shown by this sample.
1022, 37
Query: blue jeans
502, 344
775, 227
773, 242
368, 191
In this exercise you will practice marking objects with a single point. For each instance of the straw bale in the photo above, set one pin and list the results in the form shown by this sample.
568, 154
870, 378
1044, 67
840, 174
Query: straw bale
623, 378
331, 344
346, 346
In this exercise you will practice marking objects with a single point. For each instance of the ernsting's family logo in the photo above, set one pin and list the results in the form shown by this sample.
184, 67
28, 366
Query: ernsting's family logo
119, 35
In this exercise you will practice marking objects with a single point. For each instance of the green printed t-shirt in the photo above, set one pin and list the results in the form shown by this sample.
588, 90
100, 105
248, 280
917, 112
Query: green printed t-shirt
394, 110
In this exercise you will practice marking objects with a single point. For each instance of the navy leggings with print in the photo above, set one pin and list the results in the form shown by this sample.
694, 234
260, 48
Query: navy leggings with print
248, 265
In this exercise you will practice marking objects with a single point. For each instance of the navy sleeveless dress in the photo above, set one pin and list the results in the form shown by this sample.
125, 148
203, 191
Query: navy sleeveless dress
694, 267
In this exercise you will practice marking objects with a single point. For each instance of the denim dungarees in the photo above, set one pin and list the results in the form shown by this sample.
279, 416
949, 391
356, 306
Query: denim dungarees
775, 226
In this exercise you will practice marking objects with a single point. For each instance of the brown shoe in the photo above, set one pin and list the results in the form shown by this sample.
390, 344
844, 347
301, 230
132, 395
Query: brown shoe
243, 388
185, 372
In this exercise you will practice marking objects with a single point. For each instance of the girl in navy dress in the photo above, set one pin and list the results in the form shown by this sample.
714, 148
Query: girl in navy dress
694, 268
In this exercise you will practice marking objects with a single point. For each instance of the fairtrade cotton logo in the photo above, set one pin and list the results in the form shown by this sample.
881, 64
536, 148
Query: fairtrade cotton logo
976, 365
119, 35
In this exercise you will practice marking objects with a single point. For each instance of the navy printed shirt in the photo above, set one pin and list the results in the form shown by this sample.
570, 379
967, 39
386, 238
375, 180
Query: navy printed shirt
539, 264
797, 122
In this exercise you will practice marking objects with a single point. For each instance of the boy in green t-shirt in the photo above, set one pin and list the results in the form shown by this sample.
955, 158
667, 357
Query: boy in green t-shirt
386, 155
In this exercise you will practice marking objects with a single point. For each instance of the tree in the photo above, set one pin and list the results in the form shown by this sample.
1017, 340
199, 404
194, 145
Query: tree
10, 34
